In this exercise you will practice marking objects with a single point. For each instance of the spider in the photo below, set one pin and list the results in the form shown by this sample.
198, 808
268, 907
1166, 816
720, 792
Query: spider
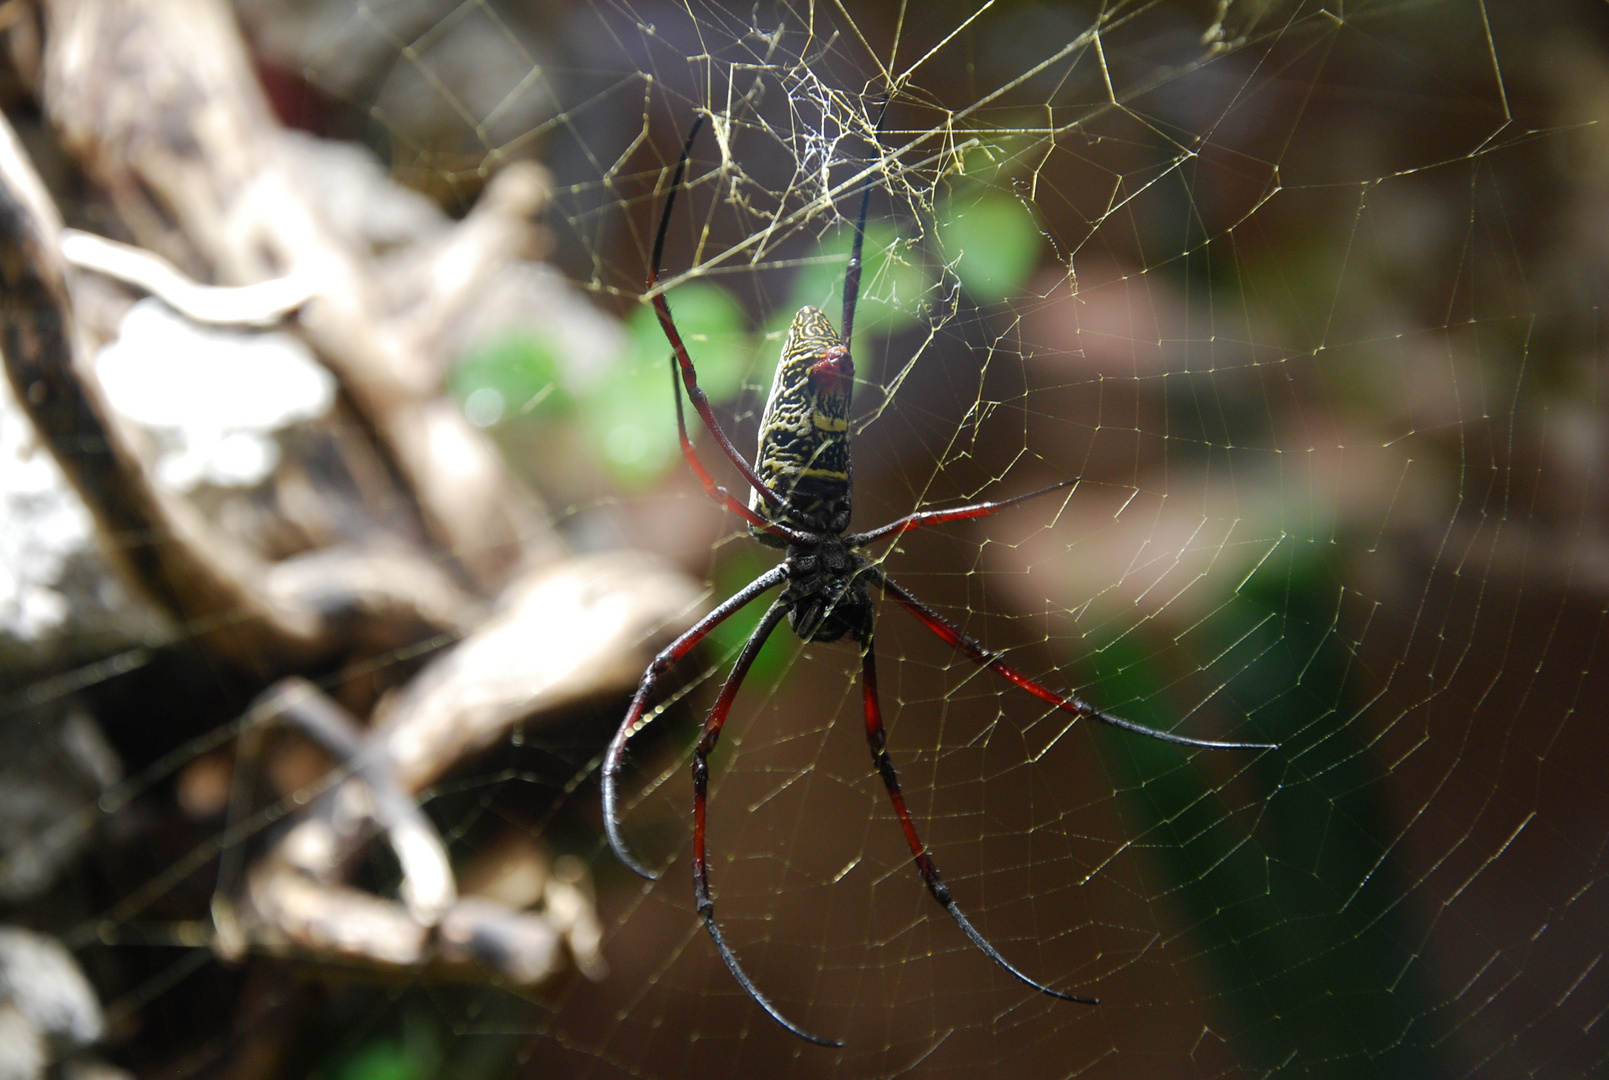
800, 501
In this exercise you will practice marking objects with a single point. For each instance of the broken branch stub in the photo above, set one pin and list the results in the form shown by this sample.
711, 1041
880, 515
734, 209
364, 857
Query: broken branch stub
567, 633
265, 618
157, 101
164, 546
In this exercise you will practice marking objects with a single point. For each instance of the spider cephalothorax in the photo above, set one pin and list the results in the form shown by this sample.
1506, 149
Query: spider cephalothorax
826, 594
799, 501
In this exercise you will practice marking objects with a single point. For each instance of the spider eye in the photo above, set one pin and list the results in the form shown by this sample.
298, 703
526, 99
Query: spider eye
834, 372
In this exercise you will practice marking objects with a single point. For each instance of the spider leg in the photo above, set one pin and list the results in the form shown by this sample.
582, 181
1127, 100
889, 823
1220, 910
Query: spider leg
1067, 702
922, 519
852, 273
714, 490
701, 782
639, 702
695, 393
877, 739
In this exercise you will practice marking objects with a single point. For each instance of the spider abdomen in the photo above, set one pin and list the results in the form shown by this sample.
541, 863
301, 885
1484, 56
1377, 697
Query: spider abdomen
804, 431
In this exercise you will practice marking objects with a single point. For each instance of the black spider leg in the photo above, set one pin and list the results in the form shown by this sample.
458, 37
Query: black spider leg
877, 739
669, 655
1066, 701
695, 393
852, 274
701, 782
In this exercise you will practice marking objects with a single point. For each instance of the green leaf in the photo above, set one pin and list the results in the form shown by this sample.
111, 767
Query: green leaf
381, 1061
993, 242
630, 420
741, 566
714, 328
892, 284
1299, 902
508, 377
629, 415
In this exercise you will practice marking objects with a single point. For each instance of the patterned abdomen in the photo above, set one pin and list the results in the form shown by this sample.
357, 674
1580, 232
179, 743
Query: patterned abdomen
804, 432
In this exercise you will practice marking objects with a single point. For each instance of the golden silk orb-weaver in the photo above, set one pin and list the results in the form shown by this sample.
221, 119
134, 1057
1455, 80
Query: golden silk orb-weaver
800, 502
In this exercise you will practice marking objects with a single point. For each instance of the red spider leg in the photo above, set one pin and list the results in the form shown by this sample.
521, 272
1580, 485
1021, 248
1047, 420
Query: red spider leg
701, 783
695, 393
639, 702
877, 739
1067, 702
716, 491
922, 519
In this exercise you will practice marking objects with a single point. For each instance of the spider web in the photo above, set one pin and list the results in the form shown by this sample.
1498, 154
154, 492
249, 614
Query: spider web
1306, 297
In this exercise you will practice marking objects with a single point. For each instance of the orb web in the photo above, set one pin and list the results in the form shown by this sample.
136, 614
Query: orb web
1304, 297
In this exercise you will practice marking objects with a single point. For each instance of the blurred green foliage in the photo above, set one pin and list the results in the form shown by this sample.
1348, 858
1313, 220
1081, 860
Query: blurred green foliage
741, 564
986, 238
894, 278
381, 1061
1294, 912
993, 241
414, 1056
510, 376
629, 417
